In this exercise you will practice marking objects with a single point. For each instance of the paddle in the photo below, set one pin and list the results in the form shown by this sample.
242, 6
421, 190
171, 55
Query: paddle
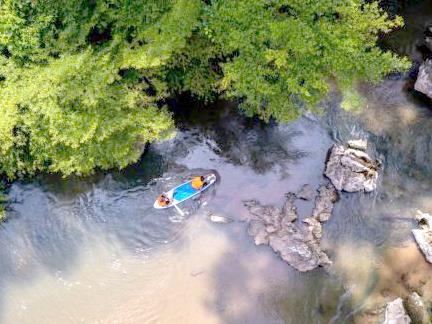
179, 210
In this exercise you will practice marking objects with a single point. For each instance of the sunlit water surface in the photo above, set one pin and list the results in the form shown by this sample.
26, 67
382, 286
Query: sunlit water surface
95, 251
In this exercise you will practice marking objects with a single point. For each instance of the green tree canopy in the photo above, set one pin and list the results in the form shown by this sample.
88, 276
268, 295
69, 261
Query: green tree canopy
82, 83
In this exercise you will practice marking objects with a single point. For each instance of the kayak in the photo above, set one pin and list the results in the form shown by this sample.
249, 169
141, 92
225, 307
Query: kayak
185, 191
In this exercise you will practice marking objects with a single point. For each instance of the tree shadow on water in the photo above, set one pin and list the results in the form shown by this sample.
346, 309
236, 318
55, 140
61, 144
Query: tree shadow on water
239, 139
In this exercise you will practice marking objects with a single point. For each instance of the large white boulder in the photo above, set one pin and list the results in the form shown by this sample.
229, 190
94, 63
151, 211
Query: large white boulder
424, 79
351, 169
395, 313
423, 234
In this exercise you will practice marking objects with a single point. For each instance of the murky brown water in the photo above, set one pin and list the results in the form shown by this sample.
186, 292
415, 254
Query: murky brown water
109, 285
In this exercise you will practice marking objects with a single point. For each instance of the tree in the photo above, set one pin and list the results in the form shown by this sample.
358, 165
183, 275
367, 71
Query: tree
278, 55
82, 83
68, 119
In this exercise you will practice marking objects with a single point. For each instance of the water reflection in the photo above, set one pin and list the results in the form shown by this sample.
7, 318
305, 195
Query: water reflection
240, 140
408, 41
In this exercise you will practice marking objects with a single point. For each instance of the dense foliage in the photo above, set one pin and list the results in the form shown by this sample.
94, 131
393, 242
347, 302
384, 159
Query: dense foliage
82, 83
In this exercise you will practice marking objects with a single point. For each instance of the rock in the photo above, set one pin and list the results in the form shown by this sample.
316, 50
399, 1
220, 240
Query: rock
424, 79
360, 144
327, 196
297, 252
257, 229
219, 219
416, 309
314, 228
351, 169
254, 207
289, 210
423, 235
298, 246
428, 38
395, 313
306, 193
428, 42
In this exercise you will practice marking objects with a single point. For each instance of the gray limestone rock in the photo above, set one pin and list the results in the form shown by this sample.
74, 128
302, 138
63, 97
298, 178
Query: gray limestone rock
327, 196
416, 309
395, 313
314, 229
424, 79
351, 169
360, 144
298, 245
423, 234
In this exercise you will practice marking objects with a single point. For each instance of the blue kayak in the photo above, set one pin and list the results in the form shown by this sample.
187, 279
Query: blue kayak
184, 192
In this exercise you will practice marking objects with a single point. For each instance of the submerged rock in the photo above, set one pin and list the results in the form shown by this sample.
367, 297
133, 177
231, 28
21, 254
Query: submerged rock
416, 309
395, 313
297, 245
219, 219
424, 79
423, 235
351, 169
275, 227
299, 253
314, 228
306, 193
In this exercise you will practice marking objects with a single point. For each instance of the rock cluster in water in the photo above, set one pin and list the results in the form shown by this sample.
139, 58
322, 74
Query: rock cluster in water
395, 313
298, 245
350, 168
423, 234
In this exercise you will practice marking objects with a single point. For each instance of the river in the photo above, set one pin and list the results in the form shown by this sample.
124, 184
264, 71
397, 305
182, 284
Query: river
94, 250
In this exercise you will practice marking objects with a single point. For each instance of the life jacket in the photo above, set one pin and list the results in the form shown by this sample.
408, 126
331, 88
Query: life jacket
197, 183
163, 201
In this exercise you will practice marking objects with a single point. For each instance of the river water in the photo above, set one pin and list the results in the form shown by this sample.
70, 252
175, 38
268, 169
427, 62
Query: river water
94, 250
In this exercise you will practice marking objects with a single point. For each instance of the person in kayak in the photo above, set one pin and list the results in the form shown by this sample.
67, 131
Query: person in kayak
163, 200
198, 182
